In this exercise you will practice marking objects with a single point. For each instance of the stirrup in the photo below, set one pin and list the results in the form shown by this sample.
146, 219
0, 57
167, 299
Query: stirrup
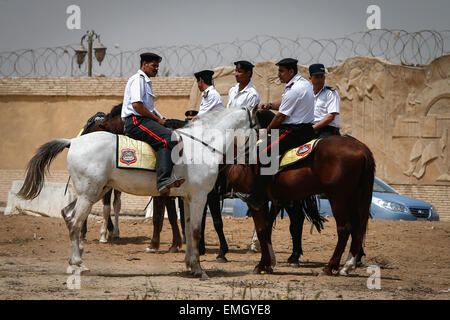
172, 183
251, 202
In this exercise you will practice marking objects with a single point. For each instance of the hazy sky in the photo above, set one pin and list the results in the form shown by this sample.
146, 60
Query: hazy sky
134, 24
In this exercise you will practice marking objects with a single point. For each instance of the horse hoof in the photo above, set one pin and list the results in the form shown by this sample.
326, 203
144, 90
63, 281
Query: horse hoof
103, 241
74, 269
71, 269
326, 272
294, 264
173, 249
151, 250
201, 275
84, 269
262, 270
221, 259
343, 272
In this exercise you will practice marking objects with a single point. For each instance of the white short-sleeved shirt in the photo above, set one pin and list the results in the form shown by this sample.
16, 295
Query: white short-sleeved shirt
138, 89
247, 97
327, 101
297, 102
211, 100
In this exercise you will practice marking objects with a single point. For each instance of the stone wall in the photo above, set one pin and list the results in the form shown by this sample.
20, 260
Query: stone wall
401, 112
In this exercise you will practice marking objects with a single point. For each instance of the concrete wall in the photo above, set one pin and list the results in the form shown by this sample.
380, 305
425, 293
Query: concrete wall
402, 113
37, 110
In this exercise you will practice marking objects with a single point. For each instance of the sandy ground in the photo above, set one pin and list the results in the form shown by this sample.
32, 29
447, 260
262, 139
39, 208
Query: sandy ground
413, 257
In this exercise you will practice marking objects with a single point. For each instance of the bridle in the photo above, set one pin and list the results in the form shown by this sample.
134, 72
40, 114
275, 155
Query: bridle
252, 125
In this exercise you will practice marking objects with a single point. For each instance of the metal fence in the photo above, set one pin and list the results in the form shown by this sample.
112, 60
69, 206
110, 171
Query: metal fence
397, 46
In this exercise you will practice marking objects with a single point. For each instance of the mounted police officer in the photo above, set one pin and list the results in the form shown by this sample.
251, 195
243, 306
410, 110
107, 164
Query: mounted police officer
243, 94
326, 104
142, 122
294, 121
211, 99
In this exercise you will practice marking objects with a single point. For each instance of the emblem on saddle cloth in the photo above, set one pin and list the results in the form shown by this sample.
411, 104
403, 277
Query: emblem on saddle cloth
134, 154
128, 156
298, 153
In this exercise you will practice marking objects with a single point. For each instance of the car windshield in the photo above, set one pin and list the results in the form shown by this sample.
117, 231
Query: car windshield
380, 186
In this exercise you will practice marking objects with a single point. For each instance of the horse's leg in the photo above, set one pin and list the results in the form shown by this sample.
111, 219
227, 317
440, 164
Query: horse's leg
158, 220
359, 257
173, 219
84, 230
354, 255
117, 204
254, 243
201, 242
106, 216
296, 220
74, 215
263, 225
350, 262
214, 207
340, 212
181, 207
193, 215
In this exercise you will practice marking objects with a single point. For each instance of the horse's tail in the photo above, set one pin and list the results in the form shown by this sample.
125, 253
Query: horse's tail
365, 189
34, 180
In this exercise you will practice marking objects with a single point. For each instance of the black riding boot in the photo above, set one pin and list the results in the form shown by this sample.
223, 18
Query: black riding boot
164, 170
258, 192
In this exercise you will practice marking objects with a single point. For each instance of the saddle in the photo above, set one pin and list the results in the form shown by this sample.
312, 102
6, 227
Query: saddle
297, 154
134, 154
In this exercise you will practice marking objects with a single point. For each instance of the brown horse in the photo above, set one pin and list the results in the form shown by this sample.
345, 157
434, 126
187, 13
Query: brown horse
341, 167
112, 122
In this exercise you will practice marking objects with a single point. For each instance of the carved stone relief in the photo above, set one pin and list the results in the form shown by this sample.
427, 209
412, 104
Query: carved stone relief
401, 112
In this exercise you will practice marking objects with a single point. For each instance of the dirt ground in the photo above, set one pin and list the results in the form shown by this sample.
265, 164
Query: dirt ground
413, 257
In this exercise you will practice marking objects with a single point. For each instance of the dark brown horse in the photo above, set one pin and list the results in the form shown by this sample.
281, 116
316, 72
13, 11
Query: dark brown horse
341, 167
112, 122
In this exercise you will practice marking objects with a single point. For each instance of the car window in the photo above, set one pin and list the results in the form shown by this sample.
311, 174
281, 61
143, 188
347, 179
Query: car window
379, 186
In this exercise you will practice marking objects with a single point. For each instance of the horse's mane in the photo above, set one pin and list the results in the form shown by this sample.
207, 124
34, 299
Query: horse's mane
210, 118
115, 111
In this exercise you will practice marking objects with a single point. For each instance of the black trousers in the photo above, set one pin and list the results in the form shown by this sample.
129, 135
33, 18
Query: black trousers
326, 131
290, 136
150, 131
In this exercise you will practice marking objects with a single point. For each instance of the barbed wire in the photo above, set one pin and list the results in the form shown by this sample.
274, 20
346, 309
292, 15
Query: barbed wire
396, 46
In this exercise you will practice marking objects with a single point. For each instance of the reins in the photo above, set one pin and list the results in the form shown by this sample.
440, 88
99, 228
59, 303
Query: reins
252, 125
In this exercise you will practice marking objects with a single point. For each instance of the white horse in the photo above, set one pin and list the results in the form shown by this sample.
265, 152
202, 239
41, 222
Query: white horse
91, 162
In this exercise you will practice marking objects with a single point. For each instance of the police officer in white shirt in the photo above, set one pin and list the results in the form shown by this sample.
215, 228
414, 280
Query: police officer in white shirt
211, 99
243, 94
141, 121
294, 121
326, 104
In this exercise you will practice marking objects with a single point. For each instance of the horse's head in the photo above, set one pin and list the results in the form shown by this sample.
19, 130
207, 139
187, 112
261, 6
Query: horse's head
113, 125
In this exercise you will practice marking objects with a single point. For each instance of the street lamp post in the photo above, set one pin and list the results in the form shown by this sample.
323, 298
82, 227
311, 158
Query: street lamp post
99, 50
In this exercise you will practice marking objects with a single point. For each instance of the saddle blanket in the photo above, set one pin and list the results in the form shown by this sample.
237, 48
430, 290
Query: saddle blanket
297, 154
134, 154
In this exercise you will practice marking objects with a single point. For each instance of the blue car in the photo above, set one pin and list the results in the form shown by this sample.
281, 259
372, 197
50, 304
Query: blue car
388, 204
